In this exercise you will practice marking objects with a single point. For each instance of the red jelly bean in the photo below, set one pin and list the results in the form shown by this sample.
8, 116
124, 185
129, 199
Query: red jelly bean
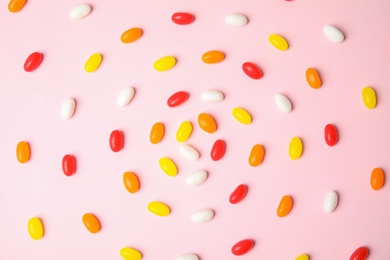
243, 247
69, 165
251, 70
238, 194
218, 150
33, 61
177, 99
360, 254
331, 135
182, 18
116, 140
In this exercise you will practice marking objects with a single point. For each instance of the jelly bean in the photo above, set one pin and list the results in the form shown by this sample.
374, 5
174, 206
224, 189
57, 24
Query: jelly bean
283, 103
168, 166
238, 194
207, 123
242, 115
360, 254
131, 35
296, 148
252, 70
285, 206
164, 63
157, 133
117, 141
218, 150
177, 99
331, 135
256, 156
68, 165
242, 247
91, 223
68, 108
212, 96
331, 201
23, 152
189, 152
236, 19
369, 97
125, 96
377, 179
93, 62
80, 11
333, 33
35, 228
128, 253
131, 182
159, 208
313, 78
184, 131
303, 257
33, 61
278, 42
196, 178
211, 57
188, 257
16, 5
202, 216
182, 18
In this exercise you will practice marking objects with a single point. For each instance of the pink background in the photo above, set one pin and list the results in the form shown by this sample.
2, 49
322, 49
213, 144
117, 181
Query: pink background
31, 111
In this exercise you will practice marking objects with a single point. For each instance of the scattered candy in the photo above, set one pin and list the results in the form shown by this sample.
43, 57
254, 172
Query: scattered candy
236, 19
80, 11
242, 115
131, 182
331, 201
283, 103
93, 62
202, 216
331, 135
296, 148
212, 96
333, 34
168, 166
188, 257
360, 254
242, 247
218, 150
207, 123
252, 70
278, 42
177, 99
23, 152
238, 194
211, 57
125, 96
128, 253
91, 223
369, 97
285, 206
157, 133
131, 35
164, 63
303, 257
68, 165
184, 131
182, 18
68, 108
16, 5
117, 141
189, 152
196, 178
33, 61
35, 228
377, 179
313, 78
159, 208
256, 156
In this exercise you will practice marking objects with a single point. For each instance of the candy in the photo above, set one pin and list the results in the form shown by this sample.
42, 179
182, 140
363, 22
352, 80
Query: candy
236, 19
188, 257
68, 165
91, 223
131, 35
184, 131
242, 115
313, 78
157, 133
117, 140
23, 152
189, 152
252, 70
302, 257
125, 96
331, 135
196, 178
212, 96
360, 254
242, 247
333, 33
182, 18
211, 57
80, 11
159, 208
164, 63
202, 216
177, 99
283, 103
131, 182
35, 228
377, 179
295, 148
331, 201
238, 194
256, 156
285, 206
218, 150
128, 253
68, 107
16, 5
278, 42
168, 166
33, 61
369, 97
93, 62
207, 123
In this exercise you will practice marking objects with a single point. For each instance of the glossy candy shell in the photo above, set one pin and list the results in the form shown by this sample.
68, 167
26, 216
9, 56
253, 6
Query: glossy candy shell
331, 135
23, 152
218, 150
177, 99
242, 247
35, 228
207, 123
131, 35
285, 206
33, 61
360, 254
182, 18
131, 182
211, 57
91, 223
68, 165
252, 70
256, 156
157, 133
377, 179
16, 5
238, 194
313, 78
117, 141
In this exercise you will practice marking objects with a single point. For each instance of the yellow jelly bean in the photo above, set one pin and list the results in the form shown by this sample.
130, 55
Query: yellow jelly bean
207, 123
303, 257
23, 152
278, 42
35, 228
16, 5
285, 206
91, 223
131, 35
296, 148
93, 62
168, 166
159, 208
369, 97
165, 63
128, 253
257, 155
184, 131
157, 133
213, 57
242, 115
131, 182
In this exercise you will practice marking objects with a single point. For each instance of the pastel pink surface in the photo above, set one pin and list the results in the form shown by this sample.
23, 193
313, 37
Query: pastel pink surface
31, 111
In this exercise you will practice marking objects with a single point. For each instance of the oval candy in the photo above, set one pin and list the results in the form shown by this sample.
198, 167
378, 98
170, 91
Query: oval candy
331, 201
157, 133
128, 253
35, 228
333, 34
252, 70
131, 35
125, 96
369, 97
207, 123
188, 257
16, 5
256, 156
242, 247
331, 135
238, 194
68, 108
182, 18
278, 42
236, 19
242, 116
159, 208
313, 78
189, 152
131, 182
283, 103
196, 178
23, 152
177, 99
377, 179
33, 61
360, 254
117, 141
212, 57
168, 166
303, 257
212, 96
285, 206
184, 131
68, 165
202, 216
80, 11
93, 62
218, 150
91, 223
295, 148
164, 63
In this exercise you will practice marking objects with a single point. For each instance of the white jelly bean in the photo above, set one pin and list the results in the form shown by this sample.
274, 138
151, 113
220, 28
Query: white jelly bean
333, 33
202, 216
189, 152
331, 201
68, 107
196, 178
188, 257
283, 103
125, 96
212, 96
80, 11
236, 19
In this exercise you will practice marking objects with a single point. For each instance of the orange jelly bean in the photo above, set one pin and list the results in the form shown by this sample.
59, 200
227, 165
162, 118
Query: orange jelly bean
131, 182
207, 123
91, 223
131, 35
257, 155
16, 5
23, 152
285, 206
211, 57
313, 78
377, 179
157, 133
